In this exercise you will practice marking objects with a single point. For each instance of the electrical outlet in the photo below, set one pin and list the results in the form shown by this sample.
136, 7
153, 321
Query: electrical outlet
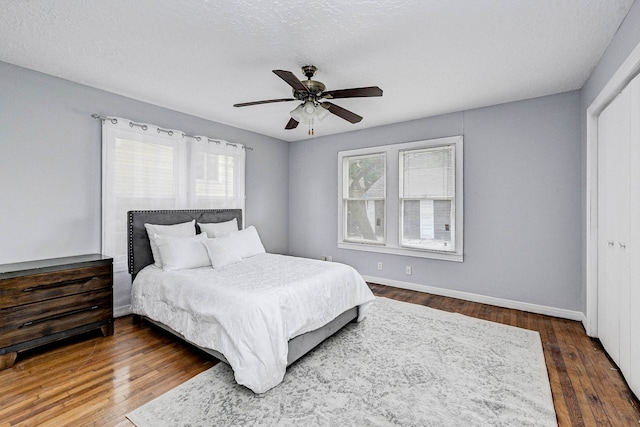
407, 270
379, 266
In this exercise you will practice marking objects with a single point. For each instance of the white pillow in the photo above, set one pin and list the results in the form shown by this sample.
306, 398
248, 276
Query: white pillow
219, 227
179, 253
221, 253
246, 242
184, 229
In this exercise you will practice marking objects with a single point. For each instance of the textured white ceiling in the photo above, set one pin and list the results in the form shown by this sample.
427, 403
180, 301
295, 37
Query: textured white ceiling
200, 57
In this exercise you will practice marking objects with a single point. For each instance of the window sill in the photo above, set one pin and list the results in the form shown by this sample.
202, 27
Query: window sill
443, 256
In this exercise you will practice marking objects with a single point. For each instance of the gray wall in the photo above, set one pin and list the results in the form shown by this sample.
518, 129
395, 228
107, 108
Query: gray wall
522, 203
623, 43
524, 182
50, 177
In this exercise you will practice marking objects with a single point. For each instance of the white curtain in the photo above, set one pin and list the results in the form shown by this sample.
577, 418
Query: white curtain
216, 174
148, 167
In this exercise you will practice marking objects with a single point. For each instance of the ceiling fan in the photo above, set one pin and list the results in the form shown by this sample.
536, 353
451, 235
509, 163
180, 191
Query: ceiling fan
312, 93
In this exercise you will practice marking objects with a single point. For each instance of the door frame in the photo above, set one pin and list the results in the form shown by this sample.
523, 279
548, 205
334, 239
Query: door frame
625, 73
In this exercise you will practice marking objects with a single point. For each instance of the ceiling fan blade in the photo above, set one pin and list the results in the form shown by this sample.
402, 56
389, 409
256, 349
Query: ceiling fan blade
341, 112
267, 101
358, 92
291, 80
292, 124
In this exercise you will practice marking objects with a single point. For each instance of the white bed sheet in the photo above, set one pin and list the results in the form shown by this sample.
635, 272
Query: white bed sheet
249, 311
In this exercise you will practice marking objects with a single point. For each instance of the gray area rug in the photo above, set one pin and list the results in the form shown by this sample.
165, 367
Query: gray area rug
404, 365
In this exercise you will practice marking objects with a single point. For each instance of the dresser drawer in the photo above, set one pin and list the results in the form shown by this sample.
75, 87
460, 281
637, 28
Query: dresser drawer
32, 321
39, 287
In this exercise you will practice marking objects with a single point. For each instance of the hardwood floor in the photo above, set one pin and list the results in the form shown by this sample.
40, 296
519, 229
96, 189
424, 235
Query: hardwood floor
97, 380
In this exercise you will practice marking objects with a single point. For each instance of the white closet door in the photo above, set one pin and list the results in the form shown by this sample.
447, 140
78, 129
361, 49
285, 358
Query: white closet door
633, 247
621, 230
608, 319
613, 135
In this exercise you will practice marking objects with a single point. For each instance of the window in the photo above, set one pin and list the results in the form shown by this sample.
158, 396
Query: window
145, 167
427, 198
364, 198
415, 186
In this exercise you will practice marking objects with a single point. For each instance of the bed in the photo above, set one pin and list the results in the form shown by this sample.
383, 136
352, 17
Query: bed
259, 315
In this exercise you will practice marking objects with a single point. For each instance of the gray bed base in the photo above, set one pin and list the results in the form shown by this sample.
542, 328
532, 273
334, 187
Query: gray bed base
140, 256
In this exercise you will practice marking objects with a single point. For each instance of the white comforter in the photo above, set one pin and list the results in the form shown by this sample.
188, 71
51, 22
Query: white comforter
248, 311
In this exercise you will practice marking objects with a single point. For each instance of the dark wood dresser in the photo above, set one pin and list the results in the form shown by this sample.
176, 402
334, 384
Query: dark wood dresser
48, 300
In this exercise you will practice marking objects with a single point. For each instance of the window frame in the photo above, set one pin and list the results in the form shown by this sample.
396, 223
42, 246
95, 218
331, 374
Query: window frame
393, 209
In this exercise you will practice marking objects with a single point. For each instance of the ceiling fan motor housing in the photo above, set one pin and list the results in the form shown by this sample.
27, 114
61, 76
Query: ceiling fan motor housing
314, 88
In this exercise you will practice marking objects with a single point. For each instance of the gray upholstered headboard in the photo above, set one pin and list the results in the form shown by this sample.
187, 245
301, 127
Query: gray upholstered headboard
138, 241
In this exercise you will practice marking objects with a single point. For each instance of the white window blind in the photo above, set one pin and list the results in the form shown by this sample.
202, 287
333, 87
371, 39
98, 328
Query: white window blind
427, 198
146, 167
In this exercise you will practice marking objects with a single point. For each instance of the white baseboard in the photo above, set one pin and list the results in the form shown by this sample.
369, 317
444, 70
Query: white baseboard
500, 302
122, 311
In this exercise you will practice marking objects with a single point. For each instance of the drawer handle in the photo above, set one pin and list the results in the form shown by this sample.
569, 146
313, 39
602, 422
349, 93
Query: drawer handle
58, 285
59, 316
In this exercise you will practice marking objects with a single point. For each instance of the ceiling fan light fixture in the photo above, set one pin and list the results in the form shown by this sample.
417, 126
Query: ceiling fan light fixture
309, 108
321, 112
296, 113
307, 112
